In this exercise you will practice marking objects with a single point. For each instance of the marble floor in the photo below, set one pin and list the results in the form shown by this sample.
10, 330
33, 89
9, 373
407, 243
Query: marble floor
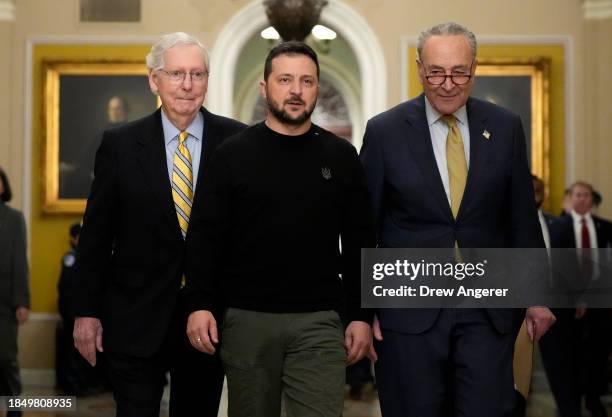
541, 404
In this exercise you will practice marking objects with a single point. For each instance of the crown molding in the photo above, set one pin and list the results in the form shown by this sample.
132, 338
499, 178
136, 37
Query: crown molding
597, 9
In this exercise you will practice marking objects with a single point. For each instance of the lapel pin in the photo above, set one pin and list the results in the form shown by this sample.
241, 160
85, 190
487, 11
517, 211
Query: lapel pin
486, 134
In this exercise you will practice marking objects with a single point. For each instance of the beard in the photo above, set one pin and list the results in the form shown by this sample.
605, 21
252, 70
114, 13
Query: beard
284, 117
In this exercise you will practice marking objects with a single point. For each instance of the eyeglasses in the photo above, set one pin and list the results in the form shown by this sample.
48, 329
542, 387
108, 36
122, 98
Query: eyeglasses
457, 79
179, 76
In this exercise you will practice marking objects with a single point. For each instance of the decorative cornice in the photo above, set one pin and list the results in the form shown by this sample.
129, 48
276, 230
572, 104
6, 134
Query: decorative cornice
7, 10
597, 9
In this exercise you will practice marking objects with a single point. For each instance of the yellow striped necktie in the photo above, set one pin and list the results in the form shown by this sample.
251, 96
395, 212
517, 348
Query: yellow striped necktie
457, 165
182, 183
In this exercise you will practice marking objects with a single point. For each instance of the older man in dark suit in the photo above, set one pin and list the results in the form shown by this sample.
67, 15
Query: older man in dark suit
130, 258
449, 170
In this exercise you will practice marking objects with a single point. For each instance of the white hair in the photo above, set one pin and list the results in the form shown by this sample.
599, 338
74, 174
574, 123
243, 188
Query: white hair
155, 58
446, 29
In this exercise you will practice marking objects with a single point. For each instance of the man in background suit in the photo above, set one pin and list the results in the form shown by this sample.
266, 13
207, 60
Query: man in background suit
449, 170
130, 258
14, 290
575, 354
545, 218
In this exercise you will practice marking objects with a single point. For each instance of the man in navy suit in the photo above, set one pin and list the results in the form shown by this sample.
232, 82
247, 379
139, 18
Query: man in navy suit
575, 354
449, 170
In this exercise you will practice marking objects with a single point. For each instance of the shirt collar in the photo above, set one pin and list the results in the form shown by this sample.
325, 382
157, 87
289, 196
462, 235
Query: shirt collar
195, 129
578, 217
433, 115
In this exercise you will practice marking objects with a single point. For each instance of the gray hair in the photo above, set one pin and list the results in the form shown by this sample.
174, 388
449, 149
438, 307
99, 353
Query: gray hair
155, 58
447, 29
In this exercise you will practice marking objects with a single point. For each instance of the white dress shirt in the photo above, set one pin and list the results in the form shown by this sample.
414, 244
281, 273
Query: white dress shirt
578, 229
544, 226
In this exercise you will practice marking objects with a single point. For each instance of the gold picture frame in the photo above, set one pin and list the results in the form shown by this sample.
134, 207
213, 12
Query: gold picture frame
523, 86
545, 64
75, 96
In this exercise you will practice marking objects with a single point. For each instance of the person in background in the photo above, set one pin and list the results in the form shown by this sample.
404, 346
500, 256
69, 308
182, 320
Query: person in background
566, 205
597, 200
73, 374
546, 219
576, 354
14, 290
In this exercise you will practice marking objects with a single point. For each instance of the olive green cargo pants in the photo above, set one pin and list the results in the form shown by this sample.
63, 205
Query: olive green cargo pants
299, 357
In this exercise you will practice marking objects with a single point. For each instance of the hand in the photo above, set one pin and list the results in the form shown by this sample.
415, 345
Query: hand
202, 331
88, 337
22, 314
378, 336
357, 341
539, 320
581, 310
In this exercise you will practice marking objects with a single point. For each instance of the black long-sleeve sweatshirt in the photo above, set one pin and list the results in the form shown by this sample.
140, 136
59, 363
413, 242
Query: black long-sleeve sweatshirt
265, 233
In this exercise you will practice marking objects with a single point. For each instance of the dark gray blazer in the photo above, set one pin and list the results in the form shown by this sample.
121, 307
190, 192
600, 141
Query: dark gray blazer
14, 289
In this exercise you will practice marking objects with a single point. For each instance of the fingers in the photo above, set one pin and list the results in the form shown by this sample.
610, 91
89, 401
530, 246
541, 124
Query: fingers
357, 346
202, 331
85, 335
348, 345
376, 329
372, 354
99, 340
530, 324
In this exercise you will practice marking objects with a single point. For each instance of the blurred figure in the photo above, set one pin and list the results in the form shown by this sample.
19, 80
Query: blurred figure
566, 205
575, 353
117, 111
74, 376
597, 200
78, 176
546, 219
14, 290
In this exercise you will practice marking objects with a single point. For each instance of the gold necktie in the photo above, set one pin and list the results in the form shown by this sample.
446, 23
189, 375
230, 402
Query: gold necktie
457, 165
182, 183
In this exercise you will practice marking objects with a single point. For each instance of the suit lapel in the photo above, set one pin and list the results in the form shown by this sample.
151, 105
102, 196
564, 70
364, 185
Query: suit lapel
152, 159
210, 139
422, 149
479, 150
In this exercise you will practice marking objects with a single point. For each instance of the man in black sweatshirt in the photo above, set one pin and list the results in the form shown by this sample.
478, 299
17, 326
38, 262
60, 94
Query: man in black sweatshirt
265, 253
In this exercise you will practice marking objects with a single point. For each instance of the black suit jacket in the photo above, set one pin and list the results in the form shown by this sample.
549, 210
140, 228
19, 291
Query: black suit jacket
131, 252
497, 209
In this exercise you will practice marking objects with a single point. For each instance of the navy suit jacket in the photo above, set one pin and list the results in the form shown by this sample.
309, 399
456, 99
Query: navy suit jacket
562, 232
411, 207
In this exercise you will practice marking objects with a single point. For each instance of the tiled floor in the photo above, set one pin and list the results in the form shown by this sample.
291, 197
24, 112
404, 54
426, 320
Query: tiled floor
541, 404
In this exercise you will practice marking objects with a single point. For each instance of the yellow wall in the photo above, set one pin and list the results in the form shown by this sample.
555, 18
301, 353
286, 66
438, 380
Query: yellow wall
50, 231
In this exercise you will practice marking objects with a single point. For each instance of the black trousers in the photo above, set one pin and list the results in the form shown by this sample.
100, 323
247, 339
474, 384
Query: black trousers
575, 356
460, 367
10, 382
196, 378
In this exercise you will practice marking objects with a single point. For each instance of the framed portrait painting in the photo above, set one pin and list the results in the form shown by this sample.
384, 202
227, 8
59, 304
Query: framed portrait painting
82, 100
523, 87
